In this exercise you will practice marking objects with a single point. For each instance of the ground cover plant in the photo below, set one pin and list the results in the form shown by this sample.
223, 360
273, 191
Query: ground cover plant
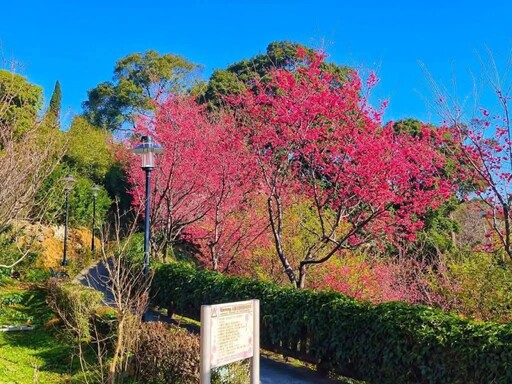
41, 355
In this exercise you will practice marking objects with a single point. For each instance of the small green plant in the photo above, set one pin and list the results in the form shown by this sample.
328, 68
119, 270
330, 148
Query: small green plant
20, 307
36, 275
237, 372
11, 299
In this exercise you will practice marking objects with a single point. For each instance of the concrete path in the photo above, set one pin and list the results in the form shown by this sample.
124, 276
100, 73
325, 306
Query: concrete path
271, 372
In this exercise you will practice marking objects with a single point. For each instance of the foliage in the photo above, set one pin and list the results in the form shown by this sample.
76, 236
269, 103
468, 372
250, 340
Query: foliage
358, 278
437, 235
167, 355
302, 134
139, 80
240, 76
236, 372
477, 285
261, 262
53, 209
20, 102
55, 104
81, 203
89, 152
29, 149
387, 343
75, 304
180, 181
308, 135
105, 339
22, 307
38, 356
202, 185
18, 250
118, 187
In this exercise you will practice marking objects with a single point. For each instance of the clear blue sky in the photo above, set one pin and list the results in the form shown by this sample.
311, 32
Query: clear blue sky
78, 42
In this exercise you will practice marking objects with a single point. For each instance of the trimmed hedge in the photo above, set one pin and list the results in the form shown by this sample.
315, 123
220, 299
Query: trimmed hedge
75, 304
387, 343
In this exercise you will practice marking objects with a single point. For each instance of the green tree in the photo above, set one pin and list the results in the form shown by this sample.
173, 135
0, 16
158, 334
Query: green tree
139, 80
237, 77
89, 151
56, 101
20, 103
80, 199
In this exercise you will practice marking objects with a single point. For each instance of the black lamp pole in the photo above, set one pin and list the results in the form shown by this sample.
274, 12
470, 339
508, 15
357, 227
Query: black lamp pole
95, 190
69, 185
147, 149
147, 221
64, 261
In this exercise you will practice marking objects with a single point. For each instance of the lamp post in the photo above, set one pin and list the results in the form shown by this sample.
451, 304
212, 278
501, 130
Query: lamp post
70, 181
147, 149
95, 190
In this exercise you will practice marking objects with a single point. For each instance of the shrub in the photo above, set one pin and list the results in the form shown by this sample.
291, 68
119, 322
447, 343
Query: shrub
75, 305
168, 355
233, 373
478, 285
387, 343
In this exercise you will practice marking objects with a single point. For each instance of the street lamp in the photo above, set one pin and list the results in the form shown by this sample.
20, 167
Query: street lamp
95, 190
147, 149
70, 181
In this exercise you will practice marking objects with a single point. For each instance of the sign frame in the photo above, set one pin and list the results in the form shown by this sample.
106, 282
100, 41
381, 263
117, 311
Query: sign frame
231, 320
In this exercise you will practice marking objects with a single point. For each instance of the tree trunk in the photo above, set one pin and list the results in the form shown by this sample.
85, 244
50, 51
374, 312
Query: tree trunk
115, 358
277, 230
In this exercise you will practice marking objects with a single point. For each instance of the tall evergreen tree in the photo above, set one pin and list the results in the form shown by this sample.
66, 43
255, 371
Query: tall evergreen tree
55, 101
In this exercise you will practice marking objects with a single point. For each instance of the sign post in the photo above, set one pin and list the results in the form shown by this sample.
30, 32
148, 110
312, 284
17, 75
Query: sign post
230, 332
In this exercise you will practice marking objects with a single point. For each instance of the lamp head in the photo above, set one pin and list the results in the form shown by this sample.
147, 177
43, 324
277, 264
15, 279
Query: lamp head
95, 189
70, 182
147, 149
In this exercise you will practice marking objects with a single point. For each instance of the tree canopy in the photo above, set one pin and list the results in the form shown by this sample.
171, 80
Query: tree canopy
279, 55
56, 101
20, 103
140, 79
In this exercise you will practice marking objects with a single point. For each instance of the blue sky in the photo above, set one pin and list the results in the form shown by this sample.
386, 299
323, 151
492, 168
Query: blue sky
78, 42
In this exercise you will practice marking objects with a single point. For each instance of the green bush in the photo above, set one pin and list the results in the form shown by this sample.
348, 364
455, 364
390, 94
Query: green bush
480, 286
36, 275
388, 343
134, 249
236, 372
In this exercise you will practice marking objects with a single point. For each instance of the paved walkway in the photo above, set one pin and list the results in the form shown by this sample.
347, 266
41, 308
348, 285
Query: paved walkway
271, 372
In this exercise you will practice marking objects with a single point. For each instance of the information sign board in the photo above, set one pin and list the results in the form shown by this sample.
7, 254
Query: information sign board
229, 332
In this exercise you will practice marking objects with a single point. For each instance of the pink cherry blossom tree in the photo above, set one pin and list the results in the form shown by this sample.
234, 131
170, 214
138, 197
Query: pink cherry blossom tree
311, 134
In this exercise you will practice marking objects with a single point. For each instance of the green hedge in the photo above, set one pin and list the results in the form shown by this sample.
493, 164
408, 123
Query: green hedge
75, 304
388, 343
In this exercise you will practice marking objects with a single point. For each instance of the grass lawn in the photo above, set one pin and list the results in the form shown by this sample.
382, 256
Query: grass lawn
37, 356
